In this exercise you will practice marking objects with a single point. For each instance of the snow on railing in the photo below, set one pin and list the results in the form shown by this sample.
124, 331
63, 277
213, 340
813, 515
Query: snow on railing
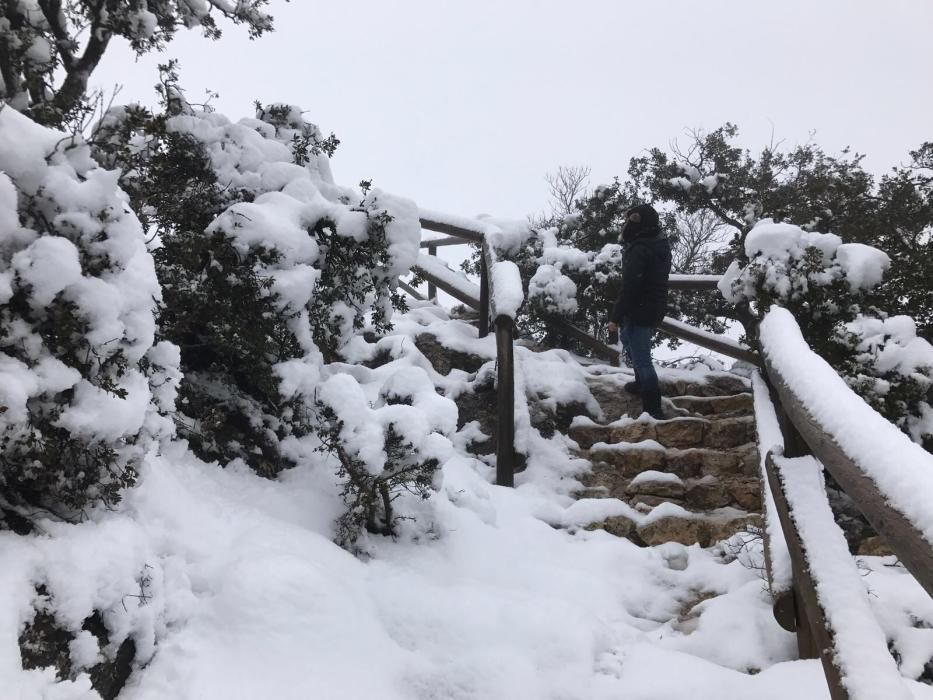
780, 578
889, 477
718, 343
845, 633
454, 283
500, 291
684, 282
458, 226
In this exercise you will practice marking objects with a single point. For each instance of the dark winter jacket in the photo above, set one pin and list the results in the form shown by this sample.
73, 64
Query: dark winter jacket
646, 265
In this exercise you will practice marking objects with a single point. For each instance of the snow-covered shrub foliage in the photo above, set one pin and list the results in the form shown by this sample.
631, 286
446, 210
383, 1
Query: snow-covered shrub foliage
48, 50
268, 267
892, 369
84, 391
830, 286
386, 449
820, 279
714, 175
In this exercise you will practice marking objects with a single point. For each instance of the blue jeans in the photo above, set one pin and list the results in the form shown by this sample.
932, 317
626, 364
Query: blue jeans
637, 343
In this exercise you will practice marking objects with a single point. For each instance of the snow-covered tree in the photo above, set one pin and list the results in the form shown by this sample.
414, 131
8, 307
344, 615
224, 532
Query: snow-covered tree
85, 390
831, 288
807, 187
268, 268
50, 48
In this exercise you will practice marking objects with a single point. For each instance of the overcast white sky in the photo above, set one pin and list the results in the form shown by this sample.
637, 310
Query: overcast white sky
463, 106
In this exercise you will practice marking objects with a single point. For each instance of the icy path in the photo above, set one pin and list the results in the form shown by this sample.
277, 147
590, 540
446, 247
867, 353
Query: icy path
247, 598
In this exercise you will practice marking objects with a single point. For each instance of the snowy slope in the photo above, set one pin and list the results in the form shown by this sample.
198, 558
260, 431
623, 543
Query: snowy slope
232, 588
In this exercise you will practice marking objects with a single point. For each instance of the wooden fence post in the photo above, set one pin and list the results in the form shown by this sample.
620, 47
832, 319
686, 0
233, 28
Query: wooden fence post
483, 296
432, 290
505, 410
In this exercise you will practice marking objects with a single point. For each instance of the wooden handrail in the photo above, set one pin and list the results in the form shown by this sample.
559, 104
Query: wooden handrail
901, 535
449, 240
565, 327
697, 336
449, 281
693, 282
820, 557
451, 229
804, 434
411, 290
506, 458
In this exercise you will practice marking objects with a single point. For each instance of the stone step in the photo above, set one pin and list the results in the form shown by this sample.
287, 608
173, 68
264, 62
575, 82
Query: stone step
716, 405
615, 402
691, 528
681, 433
654, 486
633, 458
671, 523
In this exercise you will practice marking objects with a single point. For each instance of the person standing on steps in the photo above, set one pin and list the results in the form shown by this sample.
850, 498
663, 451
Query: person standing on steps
642, 304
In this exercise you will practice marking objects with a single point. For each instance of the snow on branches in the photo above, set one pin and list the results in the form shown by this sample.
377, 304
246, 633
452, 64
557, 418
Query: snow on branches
270, 271
829, 286
83, 387
50, 48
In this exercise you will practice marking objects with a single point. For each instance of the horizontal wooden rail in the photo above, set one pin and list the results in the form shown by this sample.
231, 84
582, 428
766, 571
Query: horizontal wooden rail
450, 240
599, 348
697, 336
445, 279
828, 590
451, 229
693, 282
411, 290
901, 535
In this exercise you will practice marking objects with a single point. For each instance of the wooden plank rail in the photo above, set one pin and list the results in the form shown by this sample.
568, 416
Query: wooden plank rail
901, 535
436, 274
690, 283
476, 236
412, 291
449, 240
697, 336
872, 479
566, 328
857, 665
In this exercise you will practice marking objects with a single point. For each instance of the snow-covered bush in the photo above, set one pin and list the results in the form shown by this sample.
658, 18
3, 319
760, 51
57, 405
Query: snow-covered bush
386, 449
268, 267
84, 389
829, 287
892, 369
820, 279
579, 285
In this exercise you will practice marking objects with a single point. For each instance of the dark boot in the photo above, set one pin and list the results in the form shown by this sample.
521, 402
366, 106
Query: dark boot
651, 404
632, 388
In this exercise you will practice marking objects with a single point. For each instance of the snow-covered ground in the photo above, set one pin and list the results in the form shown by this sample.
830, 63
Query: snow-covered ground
232, 588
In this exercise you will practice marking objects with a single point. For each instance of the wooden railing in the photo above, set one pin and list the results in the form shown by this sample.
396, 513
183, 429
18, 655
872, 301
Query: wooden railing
438, 276
827, 597
503, 325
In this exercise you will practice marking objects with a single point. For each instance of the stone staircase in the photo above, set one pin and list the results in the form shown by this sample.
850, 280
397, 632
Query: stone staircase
692, 479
